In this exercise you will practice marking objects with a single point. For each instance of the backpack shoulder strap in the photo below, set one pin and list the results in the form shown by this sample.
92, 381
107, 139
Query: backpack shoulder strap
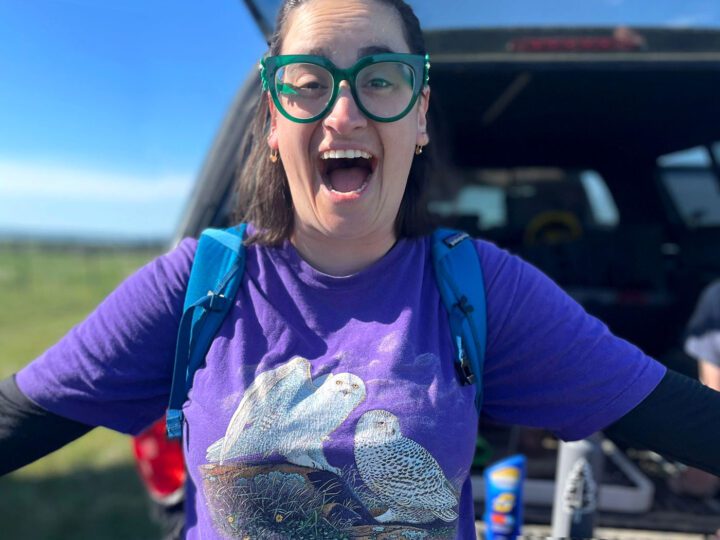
460, 280
216, 273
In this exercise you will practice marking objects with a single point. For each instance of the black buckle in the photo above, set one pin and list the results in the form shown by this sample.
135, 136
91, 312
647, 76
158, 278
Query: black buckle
464, 306
464, 369
215, 301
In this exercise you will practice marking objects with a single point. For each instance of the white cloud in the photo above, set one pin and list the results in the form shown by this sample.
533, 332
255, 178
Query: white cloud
18, 179
45, 199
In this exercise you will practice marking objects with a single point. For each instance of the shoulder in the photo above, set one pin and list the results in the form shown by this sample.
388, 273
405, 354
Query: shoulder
172, 270
506, 274
179, 259
159, 286
492, 256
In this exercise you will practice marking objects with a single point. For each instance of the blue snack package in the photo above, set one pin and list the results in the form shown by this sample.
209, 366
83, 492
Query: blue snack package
503, 498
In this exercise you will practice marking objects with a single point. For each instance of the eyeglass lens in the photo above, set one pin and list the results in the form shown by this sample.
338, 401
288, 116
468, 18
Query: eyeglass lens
385, 89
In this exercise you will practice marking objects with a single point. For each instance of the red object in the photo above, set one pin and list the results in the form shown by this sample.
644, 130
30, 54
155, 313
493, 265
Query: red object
160, 462
622, 40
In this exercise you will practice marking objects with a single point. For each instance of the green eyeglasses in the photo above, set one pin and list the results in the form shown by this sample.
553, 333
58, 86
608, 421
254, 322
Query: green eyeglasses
305, 87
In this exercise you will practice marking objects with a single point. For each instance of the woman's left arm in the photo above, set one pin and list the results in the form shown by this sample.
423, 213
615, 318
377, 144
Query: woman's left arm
679, 419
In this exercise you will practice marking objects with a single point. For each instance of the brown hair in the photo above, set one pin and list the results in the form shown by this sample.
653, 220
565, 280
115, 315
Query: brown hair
262, 191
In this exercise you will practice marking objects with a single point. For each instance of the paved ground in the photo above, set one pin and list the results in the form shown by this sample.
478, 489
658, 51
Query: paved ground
541, 532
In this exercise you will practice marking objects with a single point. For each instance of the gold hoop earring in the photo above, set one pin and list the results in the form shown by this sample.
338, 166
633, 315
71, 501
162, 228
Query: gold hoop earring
418, 149
274, 155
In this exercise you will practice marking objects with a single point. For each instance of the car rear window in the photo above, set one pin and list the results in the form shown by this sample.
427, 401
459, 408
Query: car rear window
695, 194
692, 185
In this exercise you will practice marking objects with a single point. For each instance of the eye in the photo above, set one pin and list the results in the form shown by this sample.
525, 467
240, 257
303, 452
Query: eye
381, 423
356, 385
307, 89
379, 83
338, 383
385, 78
311, 85
301, 80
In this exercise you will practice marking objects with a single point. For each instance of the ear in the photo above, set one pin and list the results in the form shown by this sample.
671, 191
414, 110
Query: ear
272, 136
423, 102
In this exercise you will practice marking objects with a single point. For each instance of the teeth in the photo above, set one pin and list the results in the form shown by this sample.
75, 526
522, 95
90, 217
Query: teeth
339, 154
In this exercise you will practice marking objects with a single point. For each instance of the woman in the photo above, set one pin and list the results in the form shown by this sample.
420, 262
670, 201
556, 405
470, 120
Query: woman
328, 405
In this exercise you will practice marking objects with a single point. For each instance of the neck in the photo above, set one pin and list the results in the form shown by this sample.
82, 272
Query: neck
340, 256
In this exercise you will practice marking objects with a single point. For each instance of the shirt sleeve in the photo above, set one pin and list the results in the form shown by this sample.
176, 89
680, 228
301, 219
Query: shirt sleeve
114, 369
702, 340
548, 363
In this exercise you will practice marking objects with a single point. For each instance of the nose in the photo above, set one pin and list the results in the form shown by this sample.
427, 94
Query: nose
345, 116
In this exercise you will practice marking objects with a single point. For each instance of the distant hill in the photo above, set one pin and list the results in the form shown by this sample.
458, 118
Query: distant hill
81, 241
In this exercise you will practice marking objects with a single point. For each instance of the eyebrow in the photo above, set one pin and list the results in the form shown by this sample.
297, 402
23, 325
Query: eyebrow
374, 49
365, 51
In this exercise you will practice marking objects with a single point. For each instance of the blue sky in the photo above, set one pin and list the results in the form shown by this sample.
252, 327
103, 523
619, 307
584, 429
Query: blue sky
108, 108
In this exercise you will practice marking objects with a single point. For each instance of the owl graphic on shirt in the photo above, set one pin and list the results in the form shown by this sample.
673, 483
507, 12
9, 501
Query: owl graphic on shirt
285, 412
401, 472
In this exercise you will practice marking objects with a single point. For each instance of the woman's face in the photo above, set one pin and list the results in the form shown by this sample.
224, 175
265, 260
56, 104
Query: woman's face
355, 203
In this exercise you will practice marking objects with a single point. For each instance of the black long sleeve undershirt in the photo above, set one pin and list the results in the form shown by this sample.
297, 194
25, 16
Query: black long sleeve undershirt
679, 419
29, 432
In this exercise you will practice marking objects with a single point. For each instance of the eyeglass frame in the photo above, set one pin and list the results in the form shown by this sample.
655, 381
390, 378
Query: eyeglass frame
417, 62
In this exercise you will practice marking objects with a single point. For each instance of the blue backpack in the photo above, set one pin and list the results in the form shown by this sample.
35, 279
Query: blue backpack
217, 271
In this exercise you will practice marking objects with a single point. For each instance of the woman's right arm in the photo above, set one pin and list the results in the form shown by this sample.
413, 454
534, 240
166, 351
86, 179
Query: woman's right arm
29, 432
114, 369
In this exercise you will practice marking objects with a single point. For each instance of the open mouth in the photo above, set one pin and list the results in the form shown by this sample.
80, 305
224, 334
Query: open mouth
346, 171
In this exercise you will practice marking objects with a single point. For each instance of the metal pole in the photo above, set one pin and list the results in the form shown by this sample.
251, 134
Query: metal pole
577, 484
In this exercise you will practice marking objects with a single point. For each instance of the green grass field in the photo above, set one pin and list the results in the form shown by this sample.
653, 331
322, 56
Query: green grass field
89, 489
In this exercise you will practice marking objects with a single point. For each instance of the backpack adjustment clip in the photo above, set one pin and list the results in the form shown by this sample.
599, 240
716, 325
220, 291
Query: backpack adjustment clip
464, 306
463, 365
215, 301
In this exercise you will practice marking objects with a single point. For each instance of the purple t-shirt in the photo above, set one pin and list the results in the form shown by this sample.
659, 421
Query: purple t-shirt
330, 406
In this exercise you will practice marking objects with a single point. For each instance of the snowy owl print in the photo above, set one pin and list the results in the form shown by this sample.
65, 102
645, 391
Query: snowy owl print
401, 473
284, 412
269, 475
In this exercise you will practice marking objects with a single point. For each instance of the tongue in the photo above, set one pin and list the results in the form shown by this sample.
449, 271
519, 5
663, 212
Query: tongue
346, 180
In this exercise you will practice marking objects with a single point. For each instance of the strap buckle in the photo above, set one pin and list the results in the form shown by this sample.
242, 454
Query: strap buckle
464, 305
463, 365
214, 301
